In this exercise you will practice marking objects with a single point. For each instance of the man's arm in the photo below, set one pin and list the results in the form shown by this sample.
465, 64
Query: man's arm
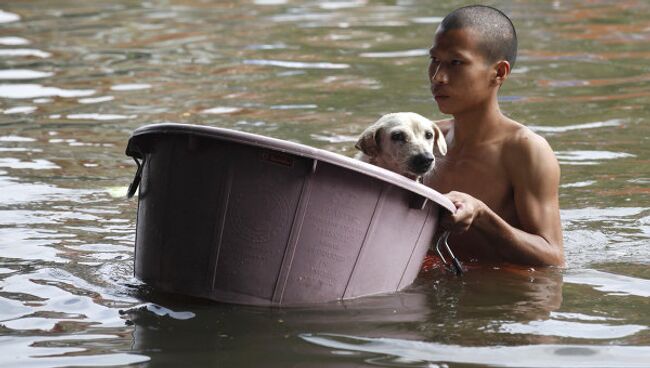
534, 174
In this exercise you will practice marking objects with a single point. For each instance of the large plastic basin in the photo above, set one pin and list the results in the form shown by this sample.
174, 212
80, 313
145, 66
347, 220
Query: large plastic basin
242, 218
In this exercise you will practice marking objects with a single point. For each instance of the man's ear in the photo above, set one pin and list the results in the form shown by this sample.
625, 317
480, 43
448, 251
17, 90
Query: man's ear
439, 140
368, 141
502, 69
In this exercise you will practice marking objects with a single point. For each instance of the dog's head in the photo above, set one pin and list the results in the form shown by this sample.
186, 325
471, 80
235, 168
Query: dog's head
403, 142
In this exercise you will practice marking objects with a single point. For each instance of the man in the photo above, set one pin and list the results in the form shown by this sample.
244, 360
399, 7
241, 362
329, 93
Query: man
502, 177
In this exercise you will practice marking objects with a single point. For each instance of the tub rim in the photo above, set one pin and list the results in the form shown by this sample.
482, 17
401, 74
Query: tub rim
293, 148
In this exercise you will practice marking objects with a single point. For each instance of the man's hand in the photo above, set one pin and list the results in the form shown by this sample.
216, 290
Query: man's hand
515, 245
468, 209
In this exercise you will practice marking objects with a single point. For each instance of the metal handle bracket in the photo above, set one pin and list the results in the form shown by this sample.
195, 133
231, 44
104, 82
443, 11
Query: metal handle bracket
136, 179
455, 266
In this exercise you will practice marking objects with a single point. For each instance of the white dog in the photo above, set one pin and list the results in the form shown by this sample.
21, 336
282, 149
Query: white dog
402, 142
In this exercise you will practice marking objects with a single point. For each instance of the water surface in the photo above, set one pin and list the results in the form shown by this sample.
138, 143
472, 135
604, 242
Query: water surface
76, 78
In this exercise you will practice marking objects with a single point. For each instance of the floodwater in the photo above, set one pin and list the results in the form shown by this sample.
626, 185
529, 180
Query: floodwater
77, 77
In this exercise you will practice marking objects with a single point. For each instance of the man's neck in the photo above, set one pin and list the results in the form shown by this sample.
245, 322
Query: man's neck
477, 125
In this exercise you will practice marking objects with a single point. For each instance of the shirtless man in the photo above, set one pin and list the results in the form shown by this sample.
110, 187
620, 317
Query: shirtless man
502, 177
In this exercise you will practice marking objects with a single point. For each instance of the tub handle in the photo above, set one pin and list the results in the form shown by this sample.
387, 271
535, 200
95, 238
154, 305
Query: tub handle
453, 264
136, 179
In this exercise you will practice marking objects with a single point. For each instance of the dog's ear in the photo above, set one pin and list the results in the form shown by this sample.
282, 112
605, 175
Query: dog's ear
439, 140
368, 141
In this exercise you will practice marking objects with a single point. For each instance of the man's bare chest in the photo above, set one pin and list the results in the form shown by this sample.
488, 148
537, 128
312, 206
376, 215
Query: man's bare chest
479, 174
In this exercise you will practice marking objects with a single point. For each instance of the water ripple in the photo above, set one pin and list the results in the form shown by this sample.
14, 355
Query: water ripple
579, 184
93, 100
31, 217
580, 317
7, 17
569, 356
568, 128
130, 87
604, 234
30, 244
20, 110
13, 41
35, 164
13, 192
222, 110
18, 74
611, 283
275, 46
293, 107
21, 91
335, 138
396, 54
297, 64
15, 138
160, 311
25, 52
427, 20
270, 2
335, 5
297, 18
99, 117
588, 157
60, 351
572, 329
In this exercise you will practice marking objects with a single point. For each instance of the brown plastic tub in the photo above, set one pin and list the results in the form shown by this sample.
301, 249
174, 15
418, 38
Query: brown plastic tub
242, 218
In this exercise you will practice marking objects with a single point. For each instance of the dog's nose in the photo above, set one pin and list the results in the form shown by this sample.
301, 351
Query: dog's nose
422, 162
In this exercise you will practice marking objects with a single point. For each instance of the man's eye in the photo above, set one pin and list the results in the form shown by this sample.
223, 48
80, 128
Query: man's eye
398, 137
456, 62
428, 135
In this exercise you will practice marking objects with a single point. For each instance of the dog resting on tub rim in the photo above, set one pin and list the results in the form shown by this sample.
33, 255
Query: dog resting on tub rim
402, 142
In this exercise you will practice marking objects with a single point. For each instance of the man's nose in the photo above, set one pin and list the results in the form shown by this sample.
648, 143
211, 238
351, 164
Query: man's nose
439, 75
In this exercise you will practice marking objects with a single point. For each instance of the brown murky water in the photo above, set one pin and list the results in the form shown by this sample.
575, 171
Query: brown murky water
76, 78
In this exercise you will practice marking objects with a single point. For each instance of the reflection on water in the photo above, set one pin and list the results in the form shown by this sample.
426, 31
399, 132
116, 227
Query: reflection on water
581, 127
25, 52
394, 352
588, 157
76, 78
24, 91
23, 74
614, 284
572, 329
297, 65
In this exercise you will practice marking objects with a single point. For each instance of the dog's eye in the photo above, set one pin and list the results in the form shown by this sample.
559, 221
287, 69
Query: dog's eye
428, 135
398, 136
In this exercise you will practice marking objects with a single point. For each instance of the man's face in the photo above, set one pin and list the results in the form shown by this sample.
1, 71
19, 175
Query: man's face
460, 78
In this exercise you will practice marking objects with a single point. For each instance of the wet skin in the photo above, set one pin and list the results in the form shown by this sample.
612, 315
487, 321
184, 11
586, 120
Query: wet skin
502, 177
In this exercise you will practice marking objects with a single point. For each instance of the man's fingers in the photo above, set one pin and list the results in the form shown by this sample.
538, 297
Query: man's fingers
453, 223
453, 196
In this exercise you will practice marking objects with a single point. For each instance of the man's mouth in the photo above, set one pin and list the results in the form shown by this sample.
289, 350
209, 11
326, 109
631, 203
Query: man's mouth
438, 95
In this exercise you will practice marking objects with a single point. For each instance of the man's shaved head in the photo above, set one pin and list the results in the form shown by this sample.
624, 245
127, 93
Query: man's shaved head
497, 36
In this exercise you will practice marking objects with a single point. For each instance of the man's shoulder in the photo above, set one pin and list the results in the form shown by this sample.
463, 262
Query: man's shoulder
522, 140
526, 152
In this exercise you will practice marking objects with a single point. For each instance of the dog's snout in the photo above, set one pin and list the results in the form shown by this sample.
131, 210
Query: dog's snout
423, 159
421, 163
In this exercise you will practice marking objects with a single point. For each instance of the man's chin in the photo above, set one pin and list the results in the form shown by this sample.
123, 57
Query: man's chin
445, 109
443, 106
